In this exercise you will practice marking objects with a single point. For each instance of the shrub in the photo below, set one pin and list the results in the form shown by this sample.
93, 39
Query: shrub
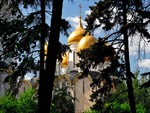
140, 108
8, 104
26, 103
91, 111
117, 107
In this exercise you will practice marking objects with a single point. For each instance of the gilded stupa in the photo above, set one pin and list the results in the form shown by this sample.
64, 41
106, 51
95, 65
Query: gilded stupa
77, 41
77, 34
86, 42
64, 62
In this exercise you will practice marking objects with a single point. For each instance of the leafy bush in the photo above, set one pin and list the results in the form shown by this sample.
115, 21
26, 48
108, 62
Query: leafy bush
120, 97
91, 111
120, 108
117, 107
8, 104
26, 103
140, 108
125, 108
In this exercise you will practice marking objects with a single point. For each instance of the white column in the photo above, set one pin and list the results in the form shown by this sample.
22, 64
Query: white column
73, 58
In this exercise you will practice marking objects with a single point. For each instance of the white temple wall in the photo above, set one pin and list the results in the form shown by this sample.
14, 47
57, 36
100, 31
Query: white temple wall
82, 93
3, 75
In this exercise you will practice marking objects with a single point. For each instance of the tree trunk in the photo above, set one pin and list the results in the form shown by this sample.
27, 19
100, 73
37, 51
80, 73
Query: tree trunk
41, 98
127, 62
47, 78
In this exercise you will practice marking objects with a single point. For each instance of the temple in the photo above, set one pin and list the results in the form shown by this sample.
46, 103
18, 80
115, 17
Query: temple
67, 73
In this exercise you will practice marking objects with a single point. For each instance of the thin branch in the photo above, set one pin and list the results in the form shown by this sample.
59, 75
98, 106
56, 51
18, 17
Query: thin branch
119, 94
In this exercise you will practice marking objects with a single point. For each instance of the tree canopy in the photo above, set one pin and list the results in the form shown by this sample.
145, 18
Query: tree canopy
21, 41
121, 20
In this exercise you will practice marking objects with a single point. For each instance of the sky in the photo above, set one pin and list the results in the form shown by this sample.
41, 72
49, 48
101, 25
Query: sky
71, 13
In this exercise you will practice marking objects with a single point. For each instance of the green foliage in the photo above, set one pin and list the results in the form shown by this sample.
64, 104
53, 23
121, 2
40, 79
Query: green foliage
119, 98
117, 107
25, 103
140, 108
8, 104
121, 108
91, 111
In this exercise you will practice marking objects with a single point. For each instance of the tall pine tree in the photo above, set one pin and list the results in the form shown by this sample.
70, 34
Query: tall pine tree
123, 19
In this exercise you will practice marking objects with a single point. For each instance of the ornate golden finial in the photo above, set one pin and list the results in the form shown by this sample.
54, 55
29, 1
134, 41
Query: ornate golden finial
80, 24
80, 6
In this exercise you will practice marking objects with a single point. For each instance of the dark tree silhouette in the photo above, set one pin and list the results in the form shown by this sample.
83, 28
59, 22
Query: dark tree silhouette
42, 87
126, 18
29, 34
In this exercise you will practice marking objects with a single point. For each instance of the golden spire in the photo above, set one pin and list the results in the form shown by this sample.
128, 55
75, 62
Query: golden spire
80, 24
80, 6
78, 33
